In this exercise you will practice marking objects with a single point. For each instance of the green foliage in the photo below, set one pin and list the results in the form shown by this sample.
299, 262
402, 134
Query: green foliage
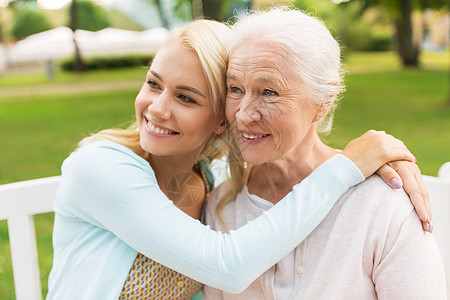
212, 9
109, 62
362, 36
394, 7
90, 16
354, 31
28, 22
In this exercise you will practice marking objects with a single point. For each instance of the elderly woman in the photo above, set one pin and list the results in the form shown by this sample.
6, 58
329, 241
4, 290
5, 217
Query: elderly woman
283, 78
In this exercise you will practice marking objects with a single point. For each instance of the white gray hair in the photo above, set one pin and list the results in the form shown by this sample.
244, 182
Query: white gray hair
308, 45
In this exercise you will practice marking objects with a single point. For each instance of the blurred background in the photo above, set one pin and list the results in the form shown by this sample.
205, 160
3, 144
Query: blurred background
71, 68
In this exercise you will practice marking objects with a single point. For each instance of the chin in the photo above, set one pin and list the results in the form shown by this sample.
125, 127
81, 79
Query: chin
254, 158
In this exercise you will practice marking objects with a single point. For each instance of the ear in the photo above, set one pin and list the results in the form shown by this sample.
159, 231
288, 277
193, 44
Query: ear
322, 109
221, 128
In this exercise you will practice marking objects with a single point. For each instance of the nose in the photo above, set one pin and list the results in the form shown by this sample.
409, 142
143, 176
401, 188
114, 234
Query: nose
248, 111
160, 106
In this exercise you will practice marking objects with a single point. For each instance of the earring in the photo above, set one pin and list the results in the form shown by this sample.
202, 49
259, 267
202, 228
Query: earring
218, 130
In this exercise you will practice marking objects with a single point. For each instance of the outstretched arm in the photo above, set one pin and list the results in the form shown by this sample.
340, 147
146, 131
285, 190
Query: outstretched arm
112, 188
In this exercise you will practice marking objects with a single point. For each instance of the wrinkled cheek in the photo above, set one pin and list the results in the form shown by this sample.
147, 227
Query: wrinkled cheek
231, 110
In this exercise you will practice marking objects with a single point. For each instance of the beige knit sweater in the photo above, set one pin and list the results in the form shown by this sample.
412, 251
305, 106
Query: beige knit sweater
370, 246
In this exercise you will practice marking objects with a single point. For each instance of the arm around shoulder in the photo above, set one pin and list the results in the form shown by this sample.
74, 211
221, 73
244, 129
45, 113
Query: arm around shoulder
410, 266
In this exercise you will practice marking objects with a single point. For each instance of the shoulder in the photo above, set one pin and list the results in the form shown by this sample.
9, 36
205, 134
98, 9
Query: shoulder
100, 151
104, 155
376, 189
218, 192
375, 203
106, 163
213, 200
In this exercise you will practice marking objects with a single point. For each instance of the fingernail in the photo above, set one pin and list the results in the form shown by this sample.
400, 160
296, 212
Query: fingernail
430, 227
396, 183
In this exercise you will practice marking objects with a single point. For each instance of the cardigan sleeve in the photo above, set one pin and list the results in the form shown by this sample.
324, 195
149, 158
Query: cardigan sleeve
111, 187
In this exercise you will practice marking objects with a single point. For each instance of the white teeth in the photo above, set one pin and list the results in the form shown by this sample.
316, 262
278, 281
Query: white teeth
159, 130
252, 136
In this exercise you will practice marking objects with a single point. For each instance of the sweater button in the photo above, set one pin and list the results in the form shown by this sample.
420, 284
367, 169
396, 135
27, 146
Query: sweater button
299, 270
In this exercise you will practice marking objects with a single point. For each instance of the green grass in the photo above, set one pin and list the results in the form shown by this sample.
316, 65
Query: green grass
38, 132
36, 79
410, 104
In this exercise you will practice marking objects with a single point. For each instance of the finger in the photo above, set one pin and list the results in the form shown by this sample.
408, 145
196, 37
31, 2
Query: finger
390, 176
411, 187
425, 196
401, 153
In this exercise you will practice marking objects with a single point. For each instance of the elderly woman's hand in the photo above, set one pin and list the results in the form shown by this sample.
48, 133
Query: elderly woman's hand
376, 151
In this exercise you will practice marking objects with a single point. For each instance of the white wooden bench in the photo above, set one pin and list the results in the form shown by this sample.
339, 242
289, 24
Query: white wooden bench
439, 190
20, 201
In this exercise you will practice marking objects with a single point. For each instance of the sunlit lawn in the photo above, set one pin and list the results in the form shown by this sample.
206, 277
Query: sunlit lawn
37, 133
38, 78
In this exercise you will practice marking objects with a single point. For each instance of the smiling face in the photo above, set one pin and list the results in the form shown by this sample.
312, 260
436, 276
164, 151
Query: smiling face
267, 105
173, 108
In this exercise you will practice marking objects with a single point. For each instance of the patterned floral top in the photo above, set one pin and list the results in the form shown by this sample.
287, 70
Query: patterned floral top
148, 279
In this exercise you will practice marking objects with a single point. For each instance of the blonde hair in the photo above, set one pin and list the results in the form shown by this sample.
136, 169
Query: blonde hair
208, 39
314, 55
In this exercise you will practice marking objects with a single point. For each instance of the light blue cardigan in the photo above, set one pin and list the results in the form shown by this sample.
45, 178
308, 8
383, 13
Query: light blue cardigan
109, 207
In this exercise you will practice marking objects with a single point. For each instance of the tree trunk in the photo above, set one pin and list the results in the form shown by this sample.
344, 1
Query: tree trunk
162, 14
213, 9
197, 9
78, 65
409, 53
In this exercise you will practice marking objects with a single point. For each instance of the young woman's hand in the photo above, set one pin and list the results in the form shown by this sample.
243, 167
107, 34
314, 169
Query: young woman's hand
407, 174
376, 151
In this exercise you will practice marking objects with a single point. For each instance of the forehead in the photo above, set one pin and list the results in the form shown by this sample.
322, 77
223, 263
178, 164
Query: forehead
178, 64
262, 60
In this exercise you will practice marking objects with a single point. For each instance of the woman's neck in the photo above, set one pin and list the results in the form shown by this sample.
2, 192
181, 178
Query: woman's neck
288, 171
169, 168
180, 182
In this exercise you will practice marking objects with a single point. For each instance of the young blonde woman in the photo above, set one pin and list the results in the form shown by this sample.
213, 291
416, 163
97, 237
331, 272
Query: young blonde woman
117, 234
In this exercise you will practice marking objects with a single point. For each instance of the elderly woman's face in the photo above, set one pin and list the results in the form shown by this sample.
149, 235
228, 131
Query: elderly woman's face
267, 105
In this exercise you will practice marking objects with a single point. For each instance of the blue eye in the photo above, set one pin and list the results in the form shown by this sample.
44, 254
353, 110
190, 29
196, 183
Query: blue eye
234, 90
269, 93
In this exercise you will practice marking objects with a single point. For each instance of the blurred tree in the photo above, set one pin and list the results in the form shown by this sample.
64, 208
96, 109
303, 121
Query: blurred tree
161, 12
85, 15
27, 22
202, 9
400, 11
90, 16
213, 9
78, 65
2, 35
19, 4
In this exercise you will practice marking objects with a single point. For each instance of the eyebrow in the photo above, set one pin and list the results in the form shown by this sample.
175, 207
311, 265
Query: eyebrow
182, 87
191, 89
258, 79
231, 76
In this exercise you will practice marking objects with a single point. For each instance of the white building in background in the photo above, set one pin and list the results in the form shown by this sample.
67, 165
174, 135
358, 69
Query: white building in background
58, 43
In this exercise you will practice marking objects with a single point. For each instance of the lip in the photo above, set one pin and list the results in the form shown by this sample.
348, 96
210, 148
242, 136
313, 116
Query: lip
158, 135
252, 141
